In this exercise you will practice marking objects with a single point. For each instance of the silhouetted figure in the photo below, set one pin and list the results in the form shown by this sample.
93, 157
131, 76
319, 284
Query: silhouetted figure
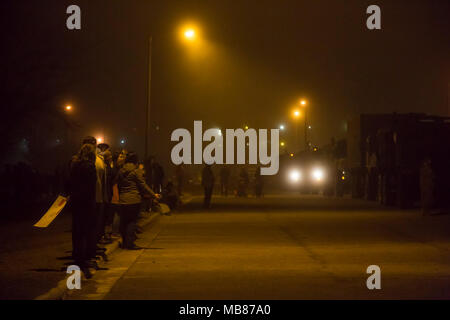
427, 186
148, 166
259, 183
179, 173
108, 212
224, 180
82, 182
208, 185
100, 198
158, 177
243, 183
132, 187
170, 196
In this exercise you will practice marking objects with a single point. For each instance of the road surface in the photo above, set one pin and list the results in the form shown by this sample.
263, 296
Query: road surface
282, 247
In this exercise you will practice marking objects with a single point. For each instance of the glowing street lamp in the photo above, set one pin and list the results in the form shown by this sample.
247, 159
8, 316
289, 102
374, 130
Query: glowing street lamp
68, 107
189, 34
281, 127
282, 143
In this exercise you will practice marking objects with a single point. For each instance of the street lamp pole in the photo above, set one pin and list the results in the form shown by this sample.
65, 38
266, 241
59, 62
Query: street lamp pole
303, 103
306, 132
149, 90
189, 34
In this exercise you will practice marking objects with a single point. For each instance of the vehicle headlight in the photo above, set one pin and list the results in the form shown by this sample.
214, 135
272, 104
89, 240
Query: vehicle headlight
317, 174
295, 175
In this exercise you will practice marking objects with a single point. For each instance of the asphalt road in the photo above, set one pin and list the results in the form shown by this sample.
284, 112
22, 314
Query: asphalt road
282, 247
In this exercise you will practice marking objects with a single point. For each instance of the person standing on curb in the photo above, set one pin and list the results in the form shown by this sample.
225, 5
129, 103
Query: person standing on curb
83, 179
208, 185
131, 185
426, 186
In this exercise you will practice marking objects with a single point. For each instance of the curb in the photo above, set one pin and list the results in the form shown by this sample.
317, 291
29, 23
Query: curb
60, 291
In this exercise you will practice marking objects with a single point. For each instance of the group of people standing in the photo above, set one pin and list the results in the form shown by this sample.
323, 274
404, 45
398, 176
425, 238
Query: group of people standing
100, 185
243, 183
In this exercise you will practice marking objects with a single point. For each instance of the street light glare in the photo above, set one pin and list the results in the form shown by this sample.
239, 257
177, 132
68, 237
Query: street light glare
189, 34
296, 113
303, 102
317, 174
68, 107
281, 127
295, 176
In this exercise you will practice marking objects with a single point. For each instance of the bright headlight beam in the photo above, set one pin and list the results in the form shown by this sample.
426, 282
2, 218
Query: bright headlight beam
317, 174
295, 175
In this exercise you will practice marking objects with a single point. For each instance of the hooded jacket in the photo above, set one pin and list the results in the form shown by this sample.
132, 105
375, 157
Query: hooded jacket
131, 185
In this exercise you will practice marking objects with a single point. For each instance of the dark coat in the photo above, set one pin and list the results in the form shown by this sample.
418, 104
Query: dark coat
131, 184
207, 177
83, 180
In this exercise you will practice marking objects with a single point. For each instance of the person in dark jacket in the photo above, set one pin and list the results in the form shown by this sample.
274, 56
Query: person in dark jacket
132, 187
179, 173
208, 185
170, 196
259, 183
224, 180
427, 181
243, 183
83, 179
107, 218
157, 176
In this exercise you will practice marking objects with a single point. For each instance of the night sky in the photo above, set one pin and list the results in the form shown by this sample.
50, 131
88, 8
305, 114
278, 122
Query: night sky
256, 60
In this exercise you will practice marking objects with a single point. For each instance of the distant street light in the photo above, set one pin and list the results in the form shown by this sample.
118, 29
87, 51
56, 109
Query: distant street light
99, 140
246, 127
282, 144
281, 127
68, 107
122, 141
189, 34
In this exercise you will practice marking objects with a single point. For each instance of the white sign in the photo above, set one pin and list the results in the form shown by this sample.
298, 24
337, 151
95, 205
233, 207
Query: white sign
52, 213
